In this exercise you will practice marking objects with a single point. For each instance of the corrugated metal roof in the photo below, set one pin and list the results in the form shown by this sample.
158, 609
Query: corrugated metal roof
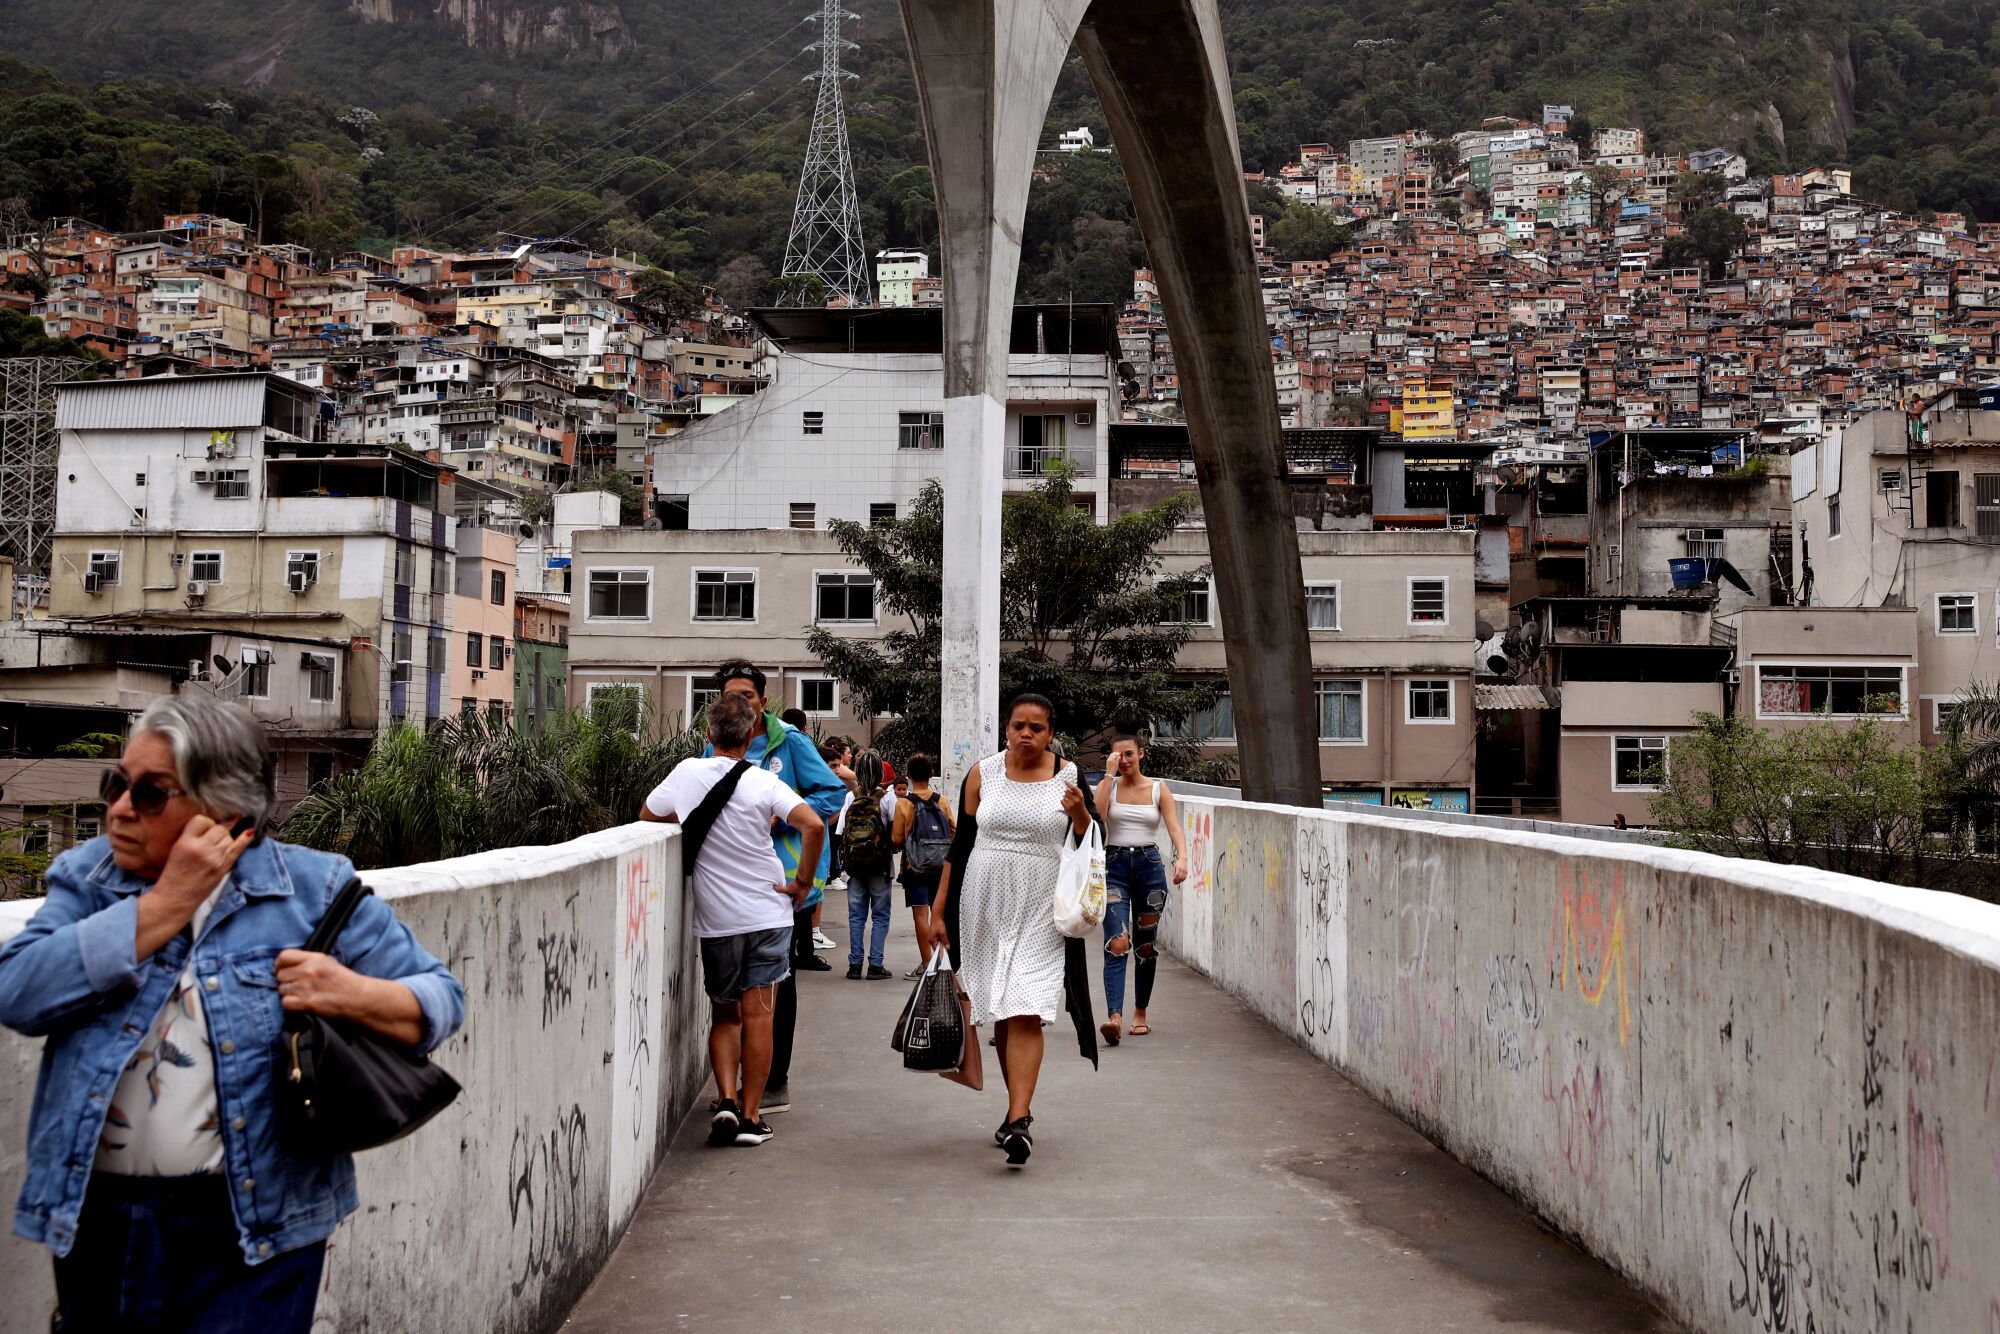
1501, 698
163, 403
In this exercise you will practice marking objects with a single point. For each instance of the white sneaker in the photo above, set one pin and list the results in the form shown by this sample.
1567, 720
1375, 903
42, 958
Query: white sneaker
820, 941
839, 882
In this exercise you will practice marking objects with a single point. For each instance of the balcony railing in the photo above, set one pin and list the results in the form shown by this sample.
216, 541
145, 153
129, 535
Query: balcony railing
1026, 461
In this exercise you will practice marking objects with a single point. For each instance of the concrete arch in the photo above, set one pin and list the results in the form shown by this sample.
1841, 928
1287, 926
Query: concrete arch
985, 71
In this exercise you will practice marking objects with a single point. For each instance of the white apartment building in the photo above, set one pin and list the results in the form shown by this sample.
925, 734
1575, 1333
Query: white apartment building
897, 272
852, 423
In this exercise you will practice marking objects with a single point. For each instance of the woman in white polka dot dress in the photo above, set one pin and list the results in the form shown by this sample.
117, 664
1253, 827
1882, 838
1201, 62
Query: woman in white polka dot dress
1011, 961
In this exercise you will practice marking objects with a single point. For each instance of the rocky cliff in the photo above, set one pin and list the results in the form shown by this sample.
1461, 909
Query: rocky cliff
514, 27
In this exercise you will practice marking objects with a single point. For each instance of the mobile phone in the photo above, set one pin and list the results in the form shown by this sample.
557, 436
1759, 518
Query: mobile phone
242, 827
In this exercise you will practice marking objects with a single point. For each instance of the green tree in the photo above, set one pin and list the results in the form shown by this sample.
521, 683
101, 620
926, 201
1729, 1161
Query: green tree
23, 336
1307, 232
631, 496
1086, 618
1713, 235
667, 297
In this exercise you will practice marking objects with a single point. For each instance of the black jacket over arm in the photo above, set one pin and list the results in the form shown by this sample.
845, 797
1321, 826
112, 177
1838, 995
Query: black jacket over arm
1076, 968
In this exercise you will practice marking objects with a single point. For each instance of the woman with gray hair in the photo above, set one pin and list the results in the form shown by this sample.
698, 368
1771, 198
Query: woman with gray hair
159, 969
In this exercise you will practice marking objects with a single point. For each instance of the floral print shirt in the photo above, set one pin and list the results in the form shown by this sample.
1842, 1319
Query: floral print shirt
165, 1119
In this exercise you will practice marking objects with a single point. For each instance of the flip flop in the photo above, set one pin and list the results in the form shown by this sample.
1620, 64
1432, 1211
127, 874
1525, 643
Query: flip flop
1109, 1031
1140, 1030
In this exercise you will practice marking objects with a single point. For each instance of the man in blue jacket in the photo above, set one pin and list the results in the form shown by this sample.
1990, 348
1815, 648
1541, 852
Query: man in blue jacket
794, 757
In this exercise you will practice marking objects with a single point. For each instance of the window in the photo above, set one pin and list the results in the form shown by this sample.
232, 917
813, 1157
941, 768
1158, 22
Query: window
701, 689
814, 423
497, 653
1851, 692
725, 595
1941, 499
399, 656
496, 712
920, 430
205, 567
499, 591
319, 677
1427, 601
232, 484
256, 673
844, 597
1704, 543
819, 697
1428, 701
434, 653
1986, 504
1215, 723
1892, 479
1192, 610
1833, 516
440, 572
475, 649
35, 837
406, 565
552, 693
302, 563
319, 768
104, 564
615, 706
1323, 606
1612, 561
1339, 710
138, 479
621, 595
1638, 763
87, 827
1941, 714
1958, 614
1043, 441
881, 512
673, 511
804, 514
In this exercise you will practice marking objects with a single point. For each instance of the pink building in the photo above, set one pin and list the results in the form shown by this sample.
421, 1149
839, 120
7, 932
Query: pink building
482, 619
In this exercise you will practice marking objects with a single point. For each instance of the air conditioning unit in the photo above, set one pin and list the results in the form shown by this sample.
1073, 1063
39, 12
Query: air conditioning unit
1732, 677
478, 675
1697, 535
202, 477
197, 592
93, 582
1085, 418
298, 581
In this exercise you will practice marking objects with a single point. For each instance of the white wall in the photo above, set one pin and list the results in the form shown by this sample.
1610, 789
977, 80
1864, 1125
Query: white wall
1769, 1096
583, 1046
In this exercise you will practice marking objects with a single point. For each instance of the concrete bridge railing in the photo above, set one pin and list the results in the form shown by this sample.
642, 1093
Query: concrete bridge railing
582, 1049
1769, 1096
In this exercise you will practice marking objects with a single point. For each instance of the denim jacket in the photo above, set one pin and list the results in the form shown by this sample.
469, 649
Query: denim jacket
70, 975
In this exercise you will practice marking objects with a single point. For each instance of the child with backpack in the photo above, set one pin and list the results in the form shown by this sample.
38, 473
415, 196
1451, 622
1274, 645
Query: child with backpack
922, 832
866, 850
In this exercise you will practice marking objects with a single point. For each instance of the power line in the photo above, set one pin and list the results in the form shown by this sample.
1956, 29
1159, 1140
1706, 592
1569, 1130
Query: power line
691, 192
825, 240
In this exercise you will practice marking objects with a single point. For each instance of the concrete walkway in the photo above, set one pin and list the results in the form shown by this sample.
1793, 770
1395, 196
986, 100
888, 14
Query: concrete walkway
1210, 1176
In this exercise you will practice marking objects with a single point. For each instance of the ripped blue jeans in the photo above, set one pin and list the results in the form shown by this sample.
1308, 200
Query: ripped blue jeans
1135, 886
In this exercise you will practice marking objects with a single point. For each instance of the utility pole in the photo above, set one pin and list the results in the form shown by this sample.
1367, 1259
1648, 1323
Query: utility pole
825, 242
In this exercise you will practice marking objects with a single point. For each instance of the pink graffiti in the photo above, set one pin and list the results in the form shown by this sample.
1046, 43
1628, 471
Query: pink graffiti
1582, 1118
1930, 1183
633, 939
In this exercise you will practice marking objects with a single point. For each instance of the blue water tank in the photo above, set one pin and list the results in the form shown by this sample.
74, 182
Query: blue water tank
1689, 571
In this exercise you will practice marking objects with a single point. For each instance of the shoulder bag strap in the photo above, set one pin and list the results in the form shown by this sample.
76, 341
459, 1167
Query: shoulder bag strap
334, 920
694, 829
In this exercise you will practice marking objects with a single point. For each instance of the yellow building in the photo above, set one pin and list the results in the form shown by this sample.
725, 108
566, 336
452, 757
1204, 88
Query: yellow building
1429, 410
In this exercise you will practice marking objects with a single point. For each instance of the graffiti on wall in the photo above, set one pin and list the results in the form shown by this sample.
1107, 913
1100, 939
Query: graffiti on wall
1588, 939
637, 988
1320, 936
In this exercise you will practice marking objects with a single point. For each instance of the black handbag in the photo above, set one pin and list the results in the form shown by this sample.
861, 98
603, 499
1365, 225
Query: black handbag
342, 1087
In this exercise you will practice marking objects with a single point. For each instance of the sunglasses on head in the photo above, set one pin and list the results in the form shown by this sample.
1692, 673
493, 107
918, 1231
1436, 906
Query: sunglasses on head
149, 796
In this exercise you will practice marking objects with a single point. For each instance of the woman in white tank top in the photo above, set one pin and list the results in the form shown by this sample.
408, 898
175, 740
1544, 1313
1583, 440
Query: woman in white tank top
1134, 807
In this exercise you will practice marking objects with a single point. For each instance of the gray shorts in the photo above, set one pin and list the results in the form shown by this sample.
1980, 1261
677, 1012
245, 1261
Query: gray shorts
732, 965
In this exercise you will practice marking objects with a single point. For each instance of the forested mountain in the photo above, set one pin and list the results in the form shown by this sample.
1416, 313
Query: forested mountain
675, 129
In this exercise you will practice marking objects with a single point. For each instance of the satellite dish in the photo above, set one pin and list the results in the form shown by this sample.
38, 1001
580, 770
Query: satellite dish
527, 530
653, 524
223, 665
1482, 629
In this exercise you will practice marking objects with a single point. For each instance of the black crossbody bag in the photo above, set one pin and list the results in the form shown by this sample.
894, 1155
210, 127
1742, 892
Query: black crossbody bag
342, 1087
694, 829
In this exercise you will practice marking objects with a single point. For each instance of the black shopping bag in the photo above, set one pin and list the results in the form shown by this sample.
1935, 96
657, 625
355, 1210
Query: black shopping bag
934, 1029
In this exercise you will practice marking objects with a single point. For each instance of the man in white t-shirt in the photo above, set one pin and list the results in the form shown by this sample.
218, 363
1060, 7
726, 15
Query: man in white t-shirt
743, 907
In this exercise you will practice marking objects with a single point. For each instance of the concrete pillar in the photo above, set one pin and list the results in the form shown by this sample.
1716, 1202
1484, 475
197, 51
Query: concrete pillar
985, 70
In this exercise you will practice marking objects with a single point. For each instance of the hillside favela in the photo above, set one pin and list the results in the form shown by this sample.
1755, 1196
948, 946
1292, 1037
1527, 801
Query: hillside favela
1382, 619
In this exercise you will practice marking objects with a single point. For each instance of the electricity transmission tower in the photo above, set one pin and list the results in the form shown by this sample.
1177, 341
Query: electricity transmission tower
28, 454
825, 241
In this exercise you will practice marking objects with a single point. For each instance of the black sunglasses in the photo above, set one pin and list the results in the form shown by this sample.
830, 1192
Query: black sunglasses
149, 797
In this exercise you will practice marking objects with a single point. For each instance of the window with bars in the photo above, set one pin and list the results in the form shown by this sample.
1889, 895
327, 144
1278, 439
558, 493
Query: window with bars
920, 430
844, 597
1704, 543
104, 564
1427, 601
1323, 606
302, 565
205, 567
1986, 504
725, 595
1339, 710
232, 484
1192, 609
620, 595
1638, 763
1429, 701
813, 423
256, 673
881, 512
